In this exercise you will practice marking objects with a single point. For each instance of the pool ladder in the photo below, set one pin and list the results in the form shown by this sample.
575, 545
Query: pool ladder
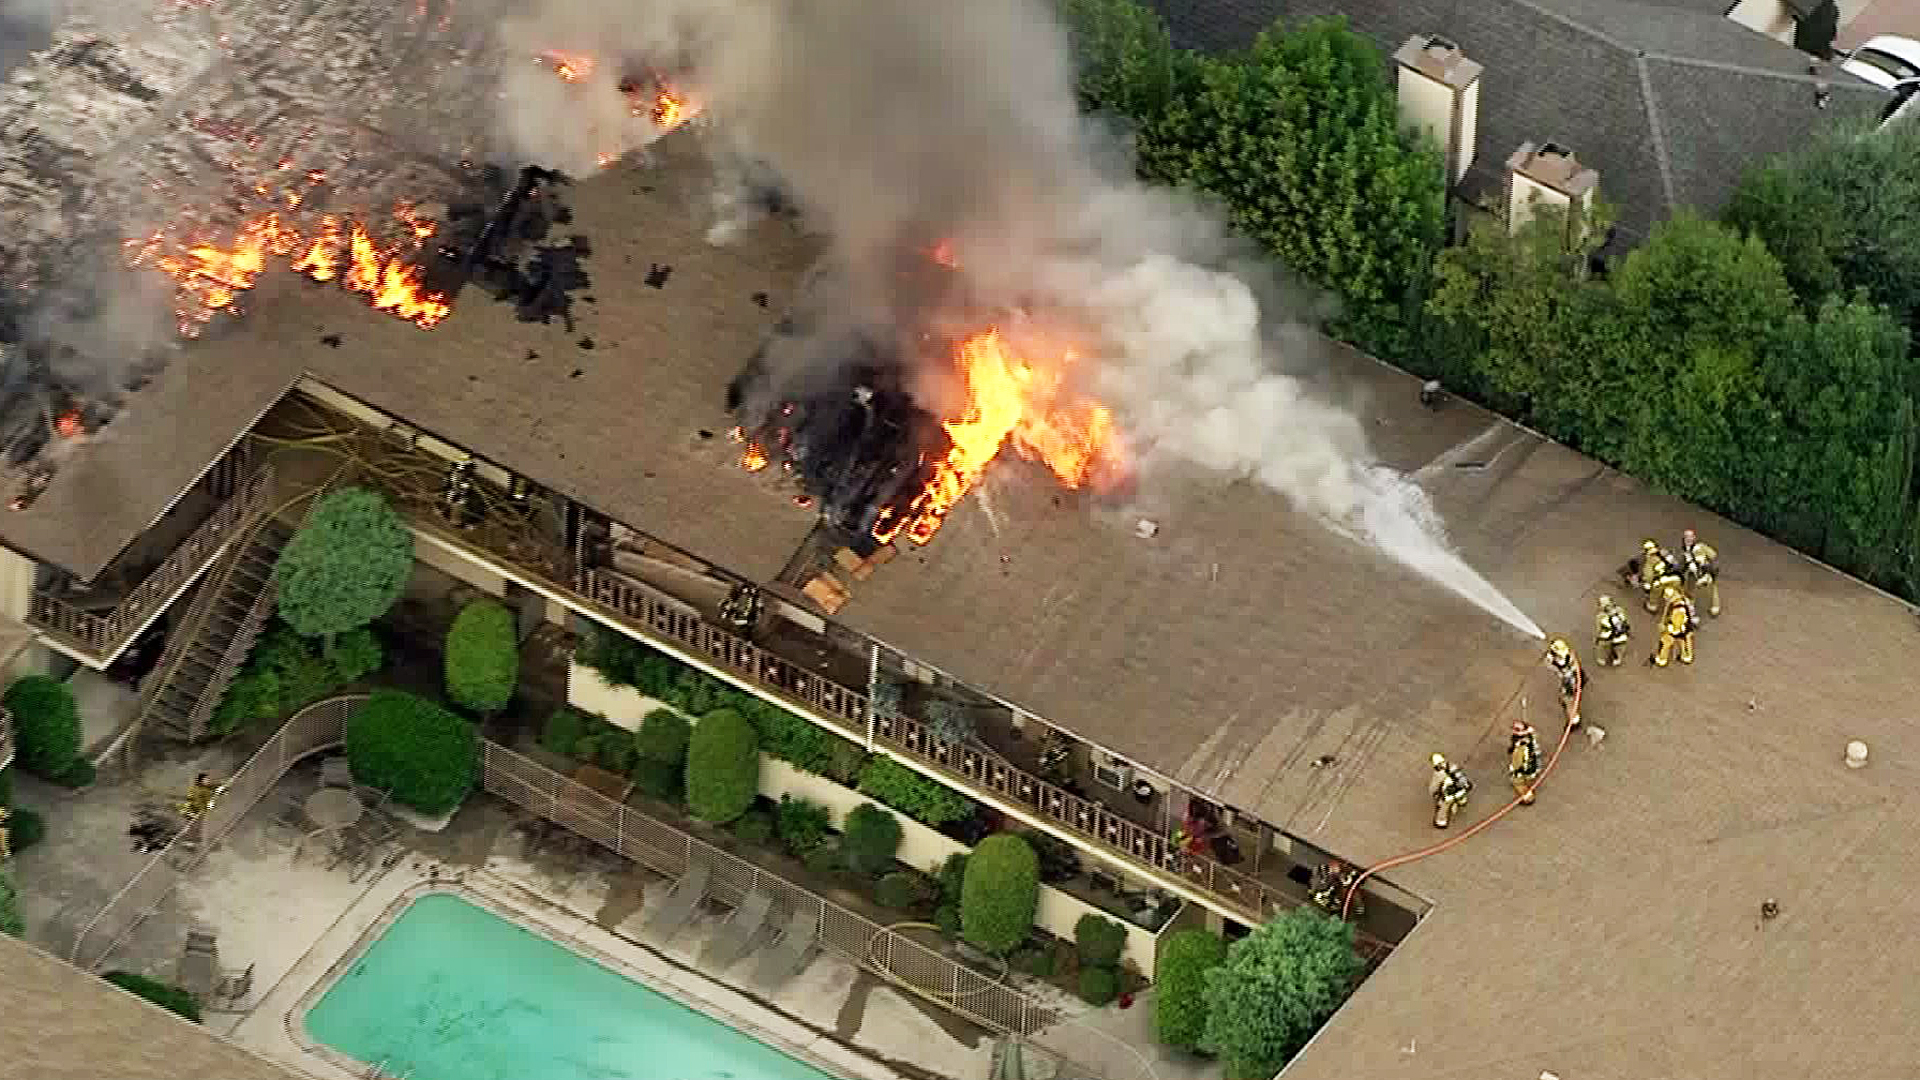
379, 1072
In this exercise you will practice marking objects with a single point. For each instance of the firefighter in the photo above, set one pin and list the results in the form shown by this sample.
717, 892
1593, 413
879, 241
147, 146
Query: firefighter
1702, 566
200, 797
1449, 788
1331, 883
1523, 760
1658, 569
1677, 624
1610, 633
1572, 679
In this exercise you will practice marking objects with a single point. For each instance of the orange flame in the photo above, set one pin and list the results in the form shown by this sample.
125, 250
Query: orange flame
1009, 401
69, 424
753, 459
571, 67
671, 109
322, 260
943, 254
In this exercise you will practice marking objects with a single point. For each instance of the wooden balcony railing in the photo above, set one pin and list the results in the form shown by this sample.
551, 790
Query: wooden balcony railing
101, 635
970, 767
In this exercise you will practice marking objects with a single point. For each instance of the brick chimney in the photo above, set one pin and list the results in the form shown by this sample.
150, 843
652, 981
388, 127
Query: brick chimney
1549, 174
1439, 92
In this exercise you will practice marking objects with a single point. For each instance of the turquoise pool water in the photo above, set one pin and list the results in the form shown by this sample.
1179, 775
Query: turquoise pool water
452, 991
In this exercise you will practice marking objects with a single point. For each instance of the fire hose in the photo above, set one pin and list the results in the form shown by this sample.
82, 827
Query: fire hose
1566, 734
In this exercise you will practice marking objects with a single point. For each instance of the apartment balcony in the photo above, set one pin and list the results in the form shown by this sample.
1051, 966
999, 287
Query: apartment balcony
98, 619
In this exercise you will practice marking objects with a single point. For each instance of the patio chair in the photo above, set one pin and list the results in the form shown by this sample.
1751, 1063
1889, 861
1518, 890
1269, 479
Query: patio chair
789, 955
732, 939
680, 904
335, 771
199, 965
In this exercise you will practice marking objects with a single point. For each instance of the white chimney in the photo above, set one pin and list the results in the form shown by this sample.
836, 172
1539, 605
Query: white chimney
1549, 174
1439, 92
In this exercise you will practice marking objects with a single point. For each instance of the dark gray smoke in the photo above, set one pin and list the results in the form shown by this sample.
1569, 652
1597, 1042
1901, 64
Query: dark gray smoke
896, 123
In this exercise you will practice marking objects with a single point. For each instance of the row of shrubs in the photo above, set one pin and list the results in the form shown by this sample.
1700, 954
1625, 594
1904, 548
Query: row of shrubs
623, 662
286, 672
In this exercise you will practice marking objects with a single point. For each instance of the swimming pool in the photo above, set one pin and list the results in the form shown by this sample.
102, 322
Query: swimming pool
452, 991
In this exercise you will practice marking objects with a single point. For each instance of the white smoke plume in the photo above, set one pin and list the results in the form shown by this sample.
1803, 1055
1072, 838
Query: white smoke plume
896, 123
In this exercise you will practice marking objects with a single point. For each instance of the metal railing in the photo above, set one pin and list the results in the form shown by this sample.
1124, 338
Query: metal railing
6, 737
103, 635
655, 844
970, 767
313, 728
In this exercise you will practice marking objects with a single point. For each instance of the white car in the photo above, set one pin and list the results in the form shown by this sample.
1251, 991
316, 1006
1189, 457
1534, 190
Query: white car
1886, 61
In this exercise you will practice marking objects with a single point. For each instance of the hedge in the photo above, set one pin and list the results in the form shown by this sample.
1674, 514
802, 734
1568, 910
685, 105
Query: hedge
1100, 941
562, 731
11, 923
919, 798
46, 725
25, 828
286, 672
723, 767
999, 894
1099, 985
898, 890
482, 658
755, 826
660, 762
171, 998
426, 756
803, 825
1180, 984
868, 839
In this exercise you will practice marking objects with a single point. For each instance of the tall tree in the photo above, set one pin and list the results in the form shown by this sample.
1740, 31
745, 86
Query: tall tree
1125, 59
1277, 986
1301, 140
346, 566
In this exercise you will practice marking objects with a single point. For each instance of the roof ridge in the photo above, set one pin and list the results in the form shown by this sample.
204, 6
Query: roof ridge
1651, 100
1565, 20
1746, 69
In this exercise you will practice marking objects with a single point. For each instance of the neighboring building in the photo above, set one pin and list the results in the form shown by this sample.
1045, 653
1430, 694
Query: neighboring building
1669, 101
1231, 653
66, 1024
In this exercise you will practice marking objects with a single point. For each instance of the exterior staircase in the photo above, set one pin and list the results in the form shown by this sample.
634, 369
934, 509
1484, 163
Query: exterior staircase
207, 649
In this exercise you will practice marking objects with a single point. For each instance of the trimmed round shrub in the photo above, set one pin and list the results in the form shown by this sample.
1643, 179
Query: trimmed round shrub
1099, 985
1100, 941
1034, 960
171, 998
561, 733
723, 767
999, 894
755, 826
868, 839
426, 756
25, 828
898, 890
482, 659
824, 859
1180, 985
346, 566
803, 825
660, 756
46, 725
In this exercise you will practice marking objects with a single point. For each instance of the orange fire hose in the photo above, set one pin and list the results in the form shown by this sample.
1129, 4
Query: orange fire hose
1580, 684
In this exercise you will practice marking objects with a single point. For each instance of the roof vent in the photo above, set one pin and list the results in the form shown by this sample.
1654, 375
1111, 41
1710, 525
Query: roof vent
1439, 92
1856, 755
1146, 528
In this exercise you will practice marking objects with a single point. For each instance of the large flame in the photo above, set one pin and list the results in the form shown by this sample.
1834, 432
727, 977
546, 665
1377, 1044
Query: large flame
211, 277
1011, 401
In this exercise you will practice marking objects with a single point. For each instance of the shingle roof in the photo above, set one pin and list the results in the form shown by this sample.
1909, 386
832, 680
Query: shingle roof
1669, 101
64, 1024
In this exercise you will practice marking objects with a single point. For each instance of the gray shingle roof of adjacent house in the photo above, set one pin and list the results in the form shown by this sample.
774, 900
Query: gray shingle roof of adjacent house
64, 1024
1668, 101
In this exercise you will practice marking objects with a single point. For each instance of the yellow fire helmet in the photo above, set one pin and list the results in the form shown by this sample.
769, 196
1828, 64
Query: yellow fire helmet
1439, 760
1606, 602
1649, 546
1559, 647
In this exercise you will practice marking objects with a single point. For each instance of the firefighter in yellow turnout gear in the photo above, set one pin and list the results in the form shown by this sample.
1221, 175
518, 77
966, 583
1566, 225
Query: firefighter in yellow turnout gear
1658, 569
1567, 666
1329, 886
1610, 633
1677, 624
1702, 566
1449, 788
1523, 760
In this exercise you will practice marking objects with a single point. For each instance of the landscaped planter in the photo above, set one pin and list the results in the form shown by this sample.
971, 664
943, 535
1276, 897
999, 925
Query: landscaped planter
622, 706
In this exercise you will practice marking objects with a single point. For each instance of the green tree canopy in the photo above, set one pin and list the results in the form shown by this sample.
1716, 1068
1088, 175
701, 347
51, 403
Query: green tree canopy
46, 725
1276, 987
482, 657
723, 767
426, 756
1125, 59
999, 894
1301, 140
346, 566
1181, 964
